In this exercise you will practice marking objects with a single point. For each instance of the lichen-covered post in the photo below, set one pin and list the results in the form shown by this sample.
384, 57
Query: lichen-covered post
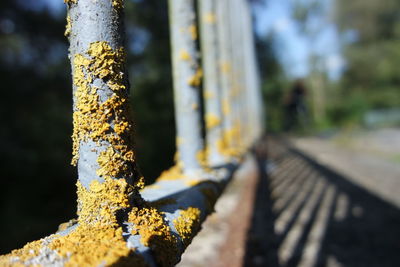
247, 116
102, 135
225, 64
212, 85
255, 96
250, 99
238, 70
187, 75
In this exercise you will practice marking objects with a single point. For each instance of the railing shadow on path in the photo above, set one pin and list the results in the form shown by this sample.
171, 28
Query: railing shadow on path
306, 214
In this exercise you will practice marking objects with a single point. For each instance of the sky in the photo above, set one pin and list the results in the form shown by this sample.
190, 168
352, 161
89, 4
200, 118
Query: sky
293, 47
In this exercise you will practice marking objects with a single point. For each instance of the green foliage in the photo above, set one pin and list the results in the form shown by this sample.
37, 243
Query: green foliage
373, 58
274, 83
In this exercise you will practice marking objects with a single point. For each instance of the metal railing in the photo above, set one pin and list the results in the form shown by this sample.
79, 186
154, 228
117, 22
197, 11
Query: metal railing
120, 222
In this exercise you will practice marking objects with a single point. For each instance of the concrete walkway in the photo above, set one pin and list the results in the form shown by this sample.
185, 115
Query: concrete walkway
313, 203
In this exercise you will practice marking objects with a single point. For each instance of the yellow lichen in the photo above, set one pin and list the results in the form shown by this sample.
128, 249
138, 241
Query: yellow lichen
195, 106
68, 27
154, 232
187, 223
230, 144
226, 108
192, 182
18, 256
100, 203
193, 31
225, 67
68, 2
64, 226
202, 156
173, 173
93, 120
179, 140
98, 230
195, 80
210, 18
208, 94
118, 4
92, 246
212, 120
184, 55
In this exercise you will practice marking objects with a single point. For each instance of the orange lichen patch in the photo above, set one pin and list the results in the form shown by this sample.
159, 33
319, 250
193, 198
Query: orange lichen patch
187, 223
18, 256
212, 120
195, 80
193, 32
184, 55
173, 173
154, 232
208, 94
210, 18
68, 27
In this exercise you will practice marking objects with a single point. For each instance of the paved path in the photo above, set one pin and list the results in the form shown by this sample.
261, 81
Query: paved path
368, 160
313, 204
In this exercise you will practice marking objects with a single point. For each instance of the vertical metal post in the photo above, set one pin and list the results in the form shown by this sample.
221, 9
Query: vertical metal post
212, 85
102, 135
226, 66
187, 76
253, 82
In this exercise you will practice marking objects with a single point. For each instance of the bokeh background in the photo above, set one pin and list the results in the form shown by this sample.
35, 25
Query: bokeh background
347, 54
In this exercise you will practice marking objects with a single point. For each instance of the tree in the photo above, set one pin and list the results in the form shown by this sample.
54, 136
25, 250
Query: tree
371, 37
